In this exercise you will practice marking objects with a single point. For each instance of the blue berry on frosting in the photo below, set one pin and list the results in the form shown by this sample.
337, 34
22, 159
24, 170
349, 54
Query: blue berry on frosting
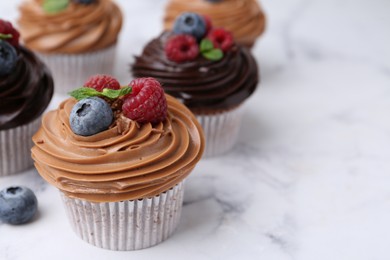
18, 205
90, 116
8, 58
190, 23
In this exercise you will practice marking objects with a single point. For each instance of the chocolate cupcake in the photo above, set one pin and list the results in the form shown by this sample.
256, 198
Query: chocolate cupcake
120, 156
74, 38
244, 18
26, 88
213, 81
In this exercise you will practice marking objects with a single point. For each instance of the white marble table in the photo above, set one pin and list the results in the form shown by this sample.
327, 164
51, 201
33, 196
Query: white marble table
310, 177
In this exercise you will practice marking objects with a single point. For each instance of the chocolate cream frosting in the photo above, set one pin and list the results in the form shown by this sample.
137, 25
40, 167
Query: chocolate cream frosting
202, 85
142, 162
77, 29
26, 92
244, 18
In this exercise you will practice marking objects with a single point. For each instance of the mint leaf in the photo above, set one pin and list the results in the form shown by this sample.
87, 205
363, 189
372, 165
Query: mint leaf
214, 54
54, 6
112, 93
83, 92
5, 36
206, 45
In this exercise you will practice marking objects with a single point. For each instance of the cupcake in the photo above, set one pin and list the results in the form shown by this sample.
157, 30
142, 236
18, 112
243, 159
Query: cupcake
204, 68
26, 88
244, 18
75, 38
119, 157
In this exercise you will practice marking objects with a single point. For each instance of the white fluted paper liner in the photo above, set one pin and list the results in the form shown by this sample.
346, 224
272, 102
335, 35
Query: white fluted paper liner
70, 71
221, 130
126, 225
15, 146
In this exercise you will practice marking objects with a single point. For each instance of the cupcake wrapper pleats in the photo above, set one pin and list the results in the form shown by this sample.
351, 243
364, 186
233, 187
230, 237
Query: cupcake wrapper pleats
126, 225
221, 130
73, 70
15, 146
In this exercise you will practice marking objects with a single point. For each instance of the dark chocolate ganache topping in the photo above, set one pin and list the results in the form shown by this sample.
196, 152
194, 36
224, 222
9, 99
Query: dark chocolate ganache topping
26, 92
201, 84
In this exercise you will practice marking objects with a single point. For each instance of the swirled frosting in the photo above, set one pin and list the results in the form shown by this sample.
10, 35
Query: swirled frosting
244, 18
202, 85
142, 162
77, 29
26, 92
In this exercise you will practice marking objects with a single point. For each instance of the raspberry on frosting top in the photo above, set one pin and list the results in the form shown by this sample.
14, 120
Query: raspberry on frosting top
190, 29
69, 26
152, 143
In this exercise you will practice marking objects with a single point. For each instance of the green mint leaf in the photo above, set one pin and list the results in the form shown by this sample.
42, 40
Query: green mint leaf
55, 6
214, 54
5, 36
112, 93
84, 92
206, 45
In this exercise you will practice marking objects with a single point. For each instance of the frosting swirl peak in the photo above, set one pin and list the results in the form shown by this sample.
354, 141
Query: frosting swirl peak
244, 18
77, 29
142, 162
26, 92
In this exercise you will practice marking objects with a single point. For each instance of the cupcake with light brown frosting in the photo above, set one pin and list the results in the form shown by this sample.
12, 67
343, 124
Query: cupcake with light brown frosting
244, 18
123, 186
74, 39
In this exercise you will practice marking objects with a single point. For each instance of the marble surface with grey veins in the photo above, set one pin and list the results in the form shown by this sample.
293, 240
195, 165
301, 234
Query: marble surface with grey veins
310, 176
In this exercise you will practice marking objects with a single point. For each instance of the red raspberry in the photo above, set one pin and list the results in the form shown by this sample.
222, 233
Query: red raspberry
100, 82
147, 101
221, 39
7, 28
209, 24
182, 47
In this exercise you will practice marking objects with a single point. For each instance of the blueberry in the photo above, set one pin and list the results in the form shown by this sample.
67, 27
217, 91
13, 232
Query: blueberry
84, 2
190, 23
8, 58
18, 205
90, 116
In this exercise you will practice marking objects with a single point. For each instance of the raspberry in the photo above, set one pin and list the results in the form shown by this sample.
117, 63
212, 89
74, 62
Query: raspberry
209, 24
221, 39
100, 82
147, 101
182, 48
7, 28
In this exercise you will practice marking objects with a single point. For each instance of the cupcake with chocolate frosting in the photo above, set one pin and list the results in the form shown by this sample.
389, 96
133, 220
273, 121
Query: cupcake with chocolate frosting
211, 74
75, 38
119, 156
244, 18
26, 88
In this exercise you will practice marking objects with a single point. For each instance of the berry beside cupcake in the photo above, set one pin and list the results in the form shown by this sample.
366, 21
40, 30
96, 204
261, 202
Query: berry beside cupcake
207, 70
26, 88
119, 156
75, 38
244, 18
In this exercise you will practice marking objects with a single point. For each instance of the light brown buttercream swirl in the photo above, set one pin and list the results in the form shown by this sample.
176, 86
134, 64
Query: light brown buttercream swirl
244, 18
140, 163
77, 29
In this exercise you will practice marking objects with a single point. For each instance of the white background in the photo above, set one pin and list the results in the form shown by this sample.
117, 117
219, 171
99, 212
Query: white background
310, 177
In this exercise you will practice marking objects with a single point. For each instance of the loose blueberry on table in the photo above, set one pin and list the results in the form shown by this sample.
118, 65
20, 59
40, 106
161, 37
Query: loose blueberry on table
18, 205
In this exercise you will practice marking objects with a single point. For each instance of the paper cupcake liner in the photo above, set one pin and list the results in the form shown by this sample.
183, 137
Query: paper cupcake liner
221, 130
15, 146
126, 225
70, 71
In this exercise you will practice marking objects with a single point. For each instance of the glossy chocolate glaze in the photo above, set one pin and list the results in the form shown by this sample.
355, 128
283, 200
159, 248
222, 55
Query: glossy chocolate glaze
26, 92
201, 84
